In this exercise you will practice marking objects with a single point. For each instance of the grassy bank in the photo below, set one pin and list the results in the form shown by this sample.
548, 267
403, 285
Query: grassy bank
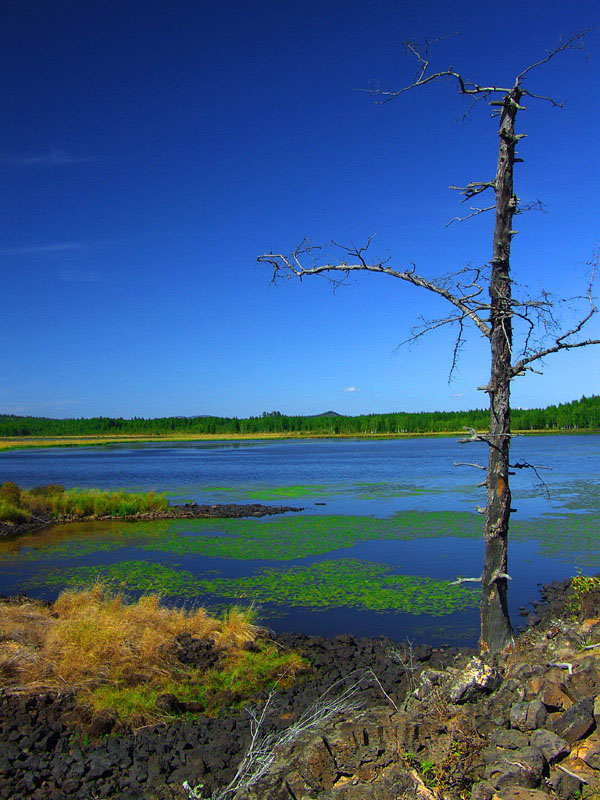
123, 657
26, 442
44, 503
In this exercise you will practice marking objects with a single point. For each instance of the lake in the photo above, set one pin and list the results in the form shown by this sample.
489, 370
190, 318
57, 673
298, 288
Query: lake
386, 526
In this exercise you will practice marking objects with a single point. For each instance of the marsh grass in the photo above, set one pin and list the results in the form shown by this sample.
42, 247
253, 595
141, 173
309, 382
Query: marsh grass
54, 501
122, 656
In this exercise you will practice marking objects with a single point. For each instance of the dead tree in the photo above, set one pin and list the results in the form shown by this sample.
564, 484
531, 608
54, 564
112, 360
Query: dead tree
494, 315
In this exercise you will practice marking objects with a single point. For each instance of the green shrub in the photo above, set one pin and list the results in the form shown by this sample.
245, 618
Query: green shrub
584, 599
47, 489
10, 513
11, 493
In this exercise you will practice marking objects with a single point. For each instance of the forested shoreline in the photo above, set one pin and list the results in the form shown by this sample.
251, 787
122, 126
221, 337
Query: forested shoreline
583, 414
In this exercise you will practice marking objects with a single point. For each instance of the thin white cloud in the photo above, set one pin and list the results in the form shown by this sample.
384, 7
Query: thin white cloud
44, 249
79, 276
34, 408
350, 389
458, 394
55, 158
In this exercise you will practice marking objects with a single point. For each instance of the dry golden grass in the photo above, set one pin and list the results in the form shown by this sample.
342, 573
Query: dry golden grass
92, 636
123, 656
235, 630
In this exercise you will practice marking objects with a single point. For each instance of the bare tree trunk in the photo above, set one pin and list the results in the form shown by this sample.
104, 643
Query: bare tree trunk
464, 293
496, 630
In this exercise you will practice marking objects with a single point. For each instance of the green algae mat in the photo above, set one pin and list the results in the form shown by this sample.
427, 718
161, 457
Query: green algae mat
572, 536
338, 582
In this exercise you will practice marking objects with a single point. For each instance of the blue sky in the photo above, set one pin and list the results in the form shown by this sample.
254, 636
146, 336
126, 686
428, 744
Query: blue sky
151, 150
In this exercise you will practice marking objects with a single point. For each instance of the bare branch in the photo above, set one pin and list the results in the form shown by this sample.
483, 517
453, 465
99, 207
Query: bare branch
474, 437
465, 86
423, 77
574, 42
468, 464
577, 777
497, 576
383, 691
474, 212
561, 342
457, 348
263, 747
474, 188
534, 468
458, 581
555, 103
294, 264
427, 326
533, 205
561, 665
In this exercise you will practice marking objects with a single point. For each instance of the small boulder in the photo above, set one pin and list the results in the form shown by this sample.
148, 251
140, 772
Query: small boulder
167, 703
520, 793
592, 756
554, 697
483, 790
565, 786
597, 709
477, 679
101, 724
584, 681
528, 716
509, 739
552, 746
576, 722
519, 768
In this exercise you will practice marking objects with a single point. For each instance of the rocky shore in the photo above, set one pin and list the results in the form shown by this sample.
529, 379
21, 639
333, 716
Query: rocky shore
186, 511
373, 720
51, 752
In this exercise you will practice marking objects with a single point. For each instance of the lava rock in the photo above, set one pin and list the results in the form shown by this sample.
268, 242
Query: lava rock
509, 739
565, 786
478, 678
576, 722
523, 768
528, 716
552, 746
102, 724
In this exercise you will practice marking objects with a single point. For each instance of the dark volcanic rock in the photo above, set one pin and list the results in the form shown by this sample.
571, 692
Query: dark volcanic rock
576, 722
43, 757
522, 768
552, 746
528, 716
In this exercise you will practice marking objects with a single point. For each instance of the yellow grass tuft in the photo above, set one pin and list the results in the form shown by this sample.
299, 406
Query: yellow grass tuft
90, 636
236, 629
123, 655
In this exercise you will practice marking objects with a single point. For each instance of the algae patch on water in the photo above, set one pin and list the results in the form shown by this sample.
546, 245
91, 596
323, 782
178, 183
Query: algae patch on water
568, 536
369, 490
349, 583
130, 576
281, 539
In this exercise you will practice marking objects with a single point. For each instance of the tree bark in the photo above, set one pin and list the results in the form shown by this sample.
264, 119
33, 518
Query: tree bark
496, 630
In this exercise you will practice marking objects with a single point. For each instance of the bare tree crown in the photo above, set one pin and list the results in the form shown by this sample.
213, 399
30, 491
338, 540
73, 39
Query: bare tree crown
463, 289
